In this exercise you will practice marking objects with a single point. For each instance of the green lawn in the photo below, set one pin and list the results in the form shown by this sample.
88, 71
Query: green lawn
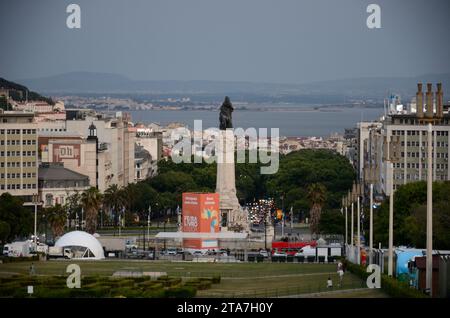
238, 279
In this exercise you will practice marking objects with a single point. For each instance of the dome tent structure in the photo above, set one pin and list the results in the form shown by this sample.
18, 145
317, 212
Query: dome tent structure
82, 244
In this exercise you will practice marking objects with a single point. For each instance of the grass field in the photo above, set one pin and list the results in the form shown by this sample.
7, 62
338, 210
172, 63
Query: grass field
238, 279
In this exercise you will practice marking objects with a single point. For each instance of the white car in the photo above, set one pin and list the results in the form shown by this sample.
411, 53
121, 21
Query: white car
279, 254
263, 253
171, 251
197, 253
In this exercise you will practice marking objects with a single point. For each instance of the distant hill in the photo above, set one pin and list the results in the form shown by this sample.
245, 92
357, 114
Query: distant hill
376, 88
20, 93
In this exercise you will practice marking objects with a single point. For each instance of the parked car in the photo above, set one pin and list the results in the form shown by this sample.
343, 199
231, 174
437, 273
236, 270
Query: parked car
279, 254
264, 253
197, 253
171, 251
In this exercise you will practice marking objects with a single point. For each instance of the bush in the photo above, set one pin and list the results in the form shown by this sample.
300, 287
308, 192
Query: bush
126, 292
156, 293
215, 279
181, 292
391, 286
6, 259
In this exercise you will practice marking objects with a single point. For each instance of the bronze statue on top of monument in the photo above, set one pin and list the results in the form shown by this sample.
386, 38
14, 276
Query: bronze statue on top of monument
225, 119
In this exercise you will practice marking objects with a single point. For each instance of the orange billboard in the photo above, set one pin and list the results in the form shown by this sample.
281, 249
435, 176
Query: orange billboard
200, 214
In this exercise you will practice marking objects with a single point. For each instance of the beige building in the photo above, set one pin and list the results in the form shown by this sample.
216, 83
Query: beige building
78, 154
18, 154
116, 140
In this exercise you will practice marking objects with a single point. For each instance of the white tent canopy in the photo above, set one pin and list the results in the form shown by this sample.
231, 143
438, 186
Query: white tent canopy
85, 245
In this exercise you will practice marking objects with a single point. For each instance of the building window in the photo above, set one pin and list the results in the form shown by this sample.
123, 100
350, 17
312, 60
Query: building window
48, 199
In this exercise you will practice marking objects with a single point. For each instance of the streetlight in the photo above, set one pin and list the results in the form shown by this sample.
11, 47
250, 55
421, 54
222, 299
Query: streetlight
391, 220
82, 213
371, 226
148, 220
358, 218
429, 259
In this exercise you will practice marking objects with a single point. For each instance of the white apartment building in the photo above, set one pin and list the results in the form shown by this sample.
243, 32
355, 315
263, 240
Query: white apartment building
401, 139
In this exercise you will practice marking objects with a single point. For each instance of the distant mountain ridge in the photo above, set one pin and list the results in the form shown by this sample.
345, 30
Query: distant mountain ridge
376, 87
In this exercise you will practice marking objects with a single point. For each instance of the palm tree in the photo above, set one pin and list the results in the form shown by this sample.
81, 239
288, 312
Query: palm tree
57, 217
113, 199
91, 200
316, 197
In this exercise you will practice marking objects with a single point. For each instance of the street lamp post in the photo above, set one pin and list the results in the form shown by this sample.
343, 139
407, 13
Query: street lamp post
82, 213
35, 201
358, 219
148, 221
391, 222
120, 225
164, 231
429, 259
371, 226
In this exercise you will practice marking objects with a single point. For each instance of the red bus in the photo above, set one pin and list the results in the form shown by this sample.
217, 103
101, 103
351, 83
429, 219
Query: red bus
290, 248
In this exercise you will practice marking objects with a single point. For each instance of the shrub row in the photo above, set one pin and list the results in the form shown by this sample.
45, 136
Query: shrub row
6, 259
390, 285
98, 286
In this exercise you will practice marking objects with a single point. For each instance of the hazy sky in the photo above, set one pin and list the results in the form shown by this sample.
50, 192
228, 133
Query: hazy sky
290, 41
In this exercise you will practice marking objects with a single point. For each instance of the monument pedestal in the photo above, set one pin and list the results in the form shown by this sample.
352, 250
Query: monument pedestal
233, 217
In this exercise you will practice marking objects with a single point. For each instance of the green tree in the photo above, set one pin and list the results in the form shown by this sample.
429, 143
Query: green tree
5, 229
410, 216
113, 200
18, 217
332, 222
57, 217
316, 197
91, 200
299, 169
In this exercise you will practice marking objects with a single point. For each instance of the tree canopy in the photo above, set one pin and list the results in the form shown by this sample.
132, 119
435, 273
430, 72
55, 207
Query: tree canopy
410, 216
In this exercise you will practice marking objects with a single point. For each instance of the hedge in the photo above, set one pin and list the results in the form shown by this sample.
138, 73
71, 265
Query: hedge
102, 286
389, 285
6, 259
180, 292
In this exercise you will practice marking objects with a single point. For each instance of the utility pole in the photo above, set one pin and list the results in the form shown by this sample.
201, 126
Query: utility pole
429, 259
148, 221
120, 225
371, 226
35, 201
82, 213
351, 226
391, 221
358, 219
265, 225
346, 220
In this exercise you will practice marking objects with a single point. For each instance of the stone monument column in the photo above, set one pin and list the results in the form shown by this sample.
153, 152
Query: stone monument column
231, 213
226, 183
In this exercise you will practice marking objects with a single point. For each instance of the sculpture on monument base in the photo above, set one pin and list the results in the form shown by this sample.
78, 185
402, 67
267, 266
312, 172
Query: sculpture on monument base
234, 218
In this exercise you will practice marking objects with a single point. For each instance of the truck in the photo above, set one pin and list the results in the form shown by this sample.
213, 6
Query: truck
59, 252
113, 246
17, 249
